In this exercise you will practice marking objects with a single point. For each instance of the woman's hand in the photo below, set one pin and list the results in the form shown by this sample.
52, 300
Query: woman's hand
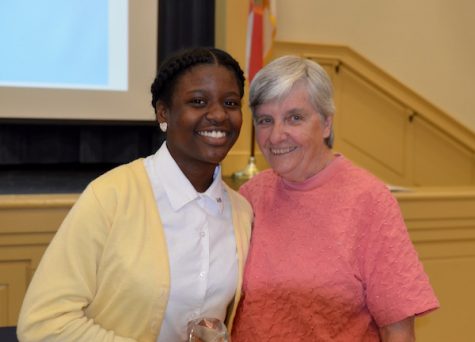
402, 331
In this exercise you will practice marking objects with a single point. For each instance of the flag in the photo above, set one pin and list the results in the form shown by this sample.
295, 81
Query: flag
261, 28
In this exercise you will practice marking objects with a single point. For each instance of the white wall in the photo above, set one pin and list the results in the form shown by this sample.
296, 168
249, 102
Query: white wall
429, 45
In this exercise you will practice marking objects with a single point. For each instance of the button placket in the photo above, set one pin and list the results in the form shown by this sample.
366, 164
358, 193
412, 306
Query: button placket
205, 245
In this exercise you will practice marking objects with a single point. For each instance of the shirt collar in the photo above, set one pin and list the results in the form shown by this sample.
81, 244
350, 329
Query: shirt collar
178, 188
215, 193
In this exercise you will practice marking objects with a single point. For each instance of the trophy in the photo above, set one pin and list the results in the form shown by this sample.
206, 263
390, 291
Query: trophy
207, 330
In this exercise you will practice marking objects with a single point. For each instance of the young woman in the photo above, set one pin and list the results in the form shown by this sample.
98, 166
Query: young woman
156, 243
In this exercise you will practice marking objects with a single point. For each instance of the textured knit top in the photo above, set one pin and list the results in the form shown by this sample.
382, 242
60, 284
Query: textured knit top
330, 259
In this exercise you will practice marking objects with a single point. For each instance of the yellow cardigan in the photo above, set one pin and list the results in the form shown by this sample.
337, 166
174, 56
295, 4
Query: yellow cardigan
105, 275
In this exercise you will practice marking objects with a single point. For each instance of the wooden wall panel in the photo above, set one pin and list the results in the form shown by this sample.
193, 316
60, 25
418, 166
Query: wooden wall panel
453, 283
372, 127
441, 223
3, 302
439, 160
13, 283
27, 225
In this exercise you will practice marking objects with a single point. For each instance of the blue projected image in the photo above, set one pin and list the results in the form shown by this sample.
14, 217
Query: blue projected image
54, 43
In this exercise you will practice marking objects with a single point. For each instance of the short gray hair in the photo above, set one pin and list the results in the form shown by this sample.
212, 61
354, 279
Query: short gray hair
276, 80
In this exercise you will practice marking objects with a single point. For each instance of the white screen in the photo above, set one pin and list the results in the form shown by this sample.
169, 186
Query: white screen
77, 59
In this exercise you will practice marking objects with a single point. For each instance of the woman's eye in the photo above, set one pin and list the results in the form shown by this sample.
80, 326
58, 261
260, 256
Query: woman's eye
261, 121
295, 118
198, 102
233, 104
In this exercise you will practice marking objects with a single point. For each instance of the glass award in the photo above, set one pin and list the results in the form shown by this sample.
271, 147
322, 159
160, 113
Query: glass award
207, 330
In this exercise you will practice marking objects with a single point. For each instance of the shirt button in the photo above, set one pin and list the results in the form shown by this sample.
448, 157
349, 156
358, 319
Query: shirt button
202, 234
202, 275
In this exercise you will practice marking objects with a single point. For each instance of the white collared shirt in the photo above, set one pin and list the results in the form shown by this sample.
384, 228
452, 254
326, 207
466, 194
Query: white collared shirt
201, 245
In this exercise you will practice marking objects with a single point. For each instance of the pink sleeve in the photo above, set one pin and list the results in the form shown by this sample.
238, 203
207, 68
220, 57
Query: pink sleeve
395, 282
244, 190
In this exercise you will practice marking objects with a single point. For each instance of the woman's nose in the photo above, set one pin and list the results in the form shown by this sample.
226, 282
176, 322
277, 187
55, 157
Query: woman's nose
216, 113
277, 133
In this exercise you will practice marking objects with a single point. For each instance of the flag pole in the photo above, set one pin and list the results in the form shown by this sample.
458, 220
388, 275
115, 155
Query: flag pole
251, 169
255, 53
254, 62
253, 138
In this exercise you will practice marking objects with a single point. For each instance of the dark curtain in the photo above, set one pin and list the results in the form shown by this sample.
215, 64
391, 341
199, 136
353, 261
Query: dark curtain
183, 24
46, 157
80, 143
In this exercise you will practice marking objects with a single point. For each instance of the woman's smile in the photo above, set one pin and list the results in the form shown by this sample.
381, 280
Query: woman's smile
214, 137
282, 150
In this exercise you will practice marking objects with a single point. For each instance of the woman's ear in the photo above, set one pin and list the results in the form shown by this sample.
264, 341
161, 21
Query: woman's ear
327, 126
161, 112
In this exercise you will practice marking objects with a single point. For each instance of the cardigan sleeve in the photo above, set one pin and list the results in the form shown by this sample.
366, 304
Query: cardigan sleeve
242, 222
65, 282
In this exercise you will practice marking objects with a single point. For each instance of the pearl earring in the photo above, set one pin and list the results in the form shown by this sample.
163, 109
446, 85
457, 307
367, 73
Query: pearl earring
163, 126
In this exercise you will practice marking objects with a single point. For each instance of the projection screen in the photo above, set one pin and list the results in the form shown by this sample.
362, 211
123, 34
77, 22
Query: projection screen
77, 59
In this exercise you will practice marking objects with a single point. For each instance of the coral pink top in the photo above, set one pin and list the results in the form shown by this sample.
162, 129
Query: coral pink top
330, 260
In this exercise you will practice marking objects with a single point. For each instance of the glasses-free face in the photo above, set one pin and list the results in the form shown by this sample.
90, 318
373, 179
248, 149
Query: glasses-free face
291, 133
204, 118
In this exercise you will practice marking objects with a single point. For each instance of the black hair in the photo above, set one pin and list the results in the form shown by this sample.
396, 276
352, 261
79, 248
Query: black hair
164, 84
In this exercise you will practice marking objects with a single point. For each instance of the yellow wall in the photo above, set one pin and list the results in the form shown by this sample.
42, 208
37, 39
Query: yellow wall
427, 45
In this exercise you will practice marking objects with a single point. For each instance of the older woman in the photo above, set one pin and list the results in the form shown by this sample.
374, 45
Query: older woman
161, 241
330, 256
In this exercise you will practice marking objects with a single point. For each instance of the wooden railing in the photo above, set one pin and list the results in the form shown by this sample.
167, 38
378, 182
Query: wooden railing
386, 127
